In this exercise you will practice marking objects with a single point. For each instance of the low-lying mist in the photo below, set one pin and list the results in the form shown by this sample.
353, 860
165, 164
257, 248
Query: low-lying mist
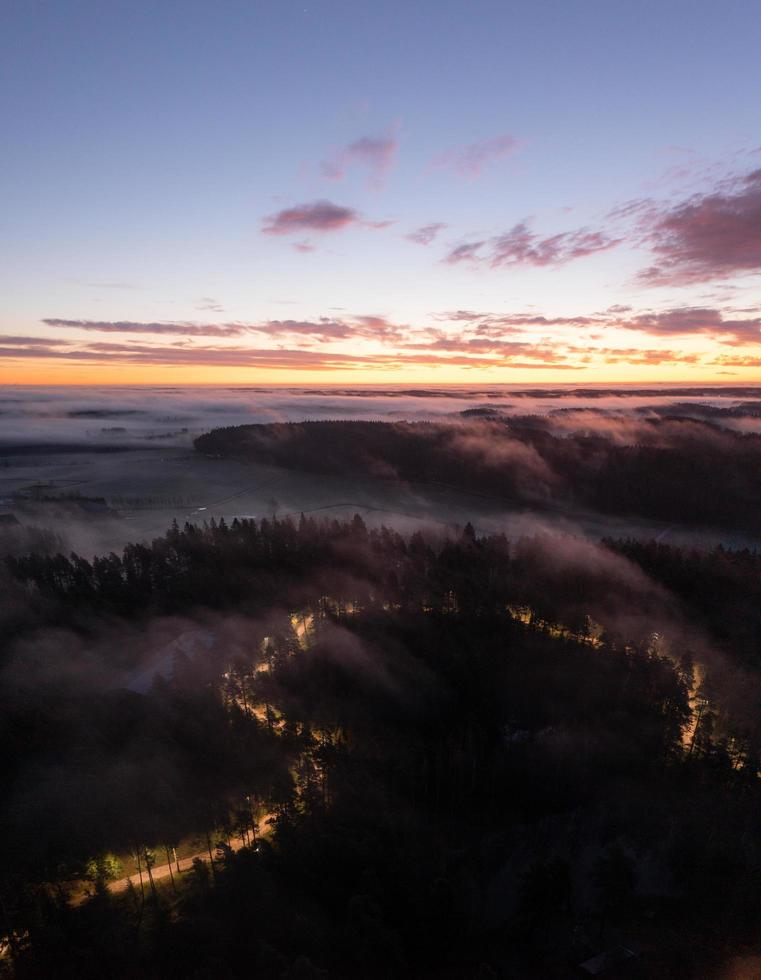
97, 468
130, 417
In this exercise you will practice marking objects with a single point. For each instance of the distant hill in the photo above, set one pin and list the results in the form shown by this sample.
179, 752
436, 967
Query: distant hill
677, 469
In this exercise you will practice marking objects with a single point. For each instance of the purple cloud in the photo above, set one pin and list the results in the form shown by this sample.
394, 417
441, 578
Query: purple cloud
710, 236
319, 216
368, 327
520, 246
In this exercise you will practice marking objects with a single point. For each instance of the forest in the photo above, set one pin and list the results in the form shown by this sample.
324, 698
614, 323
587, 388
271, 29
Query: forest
434, 755
677, 464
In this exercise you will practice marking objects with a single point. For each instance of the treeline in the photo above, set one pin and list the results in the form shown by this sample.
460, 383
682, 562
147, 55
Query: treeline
674, 469
257, 565
479, 758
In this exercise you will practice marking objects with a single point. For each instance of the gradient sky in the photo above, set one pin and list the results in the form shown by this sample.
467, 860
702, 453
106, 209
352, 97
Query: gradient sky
427, 191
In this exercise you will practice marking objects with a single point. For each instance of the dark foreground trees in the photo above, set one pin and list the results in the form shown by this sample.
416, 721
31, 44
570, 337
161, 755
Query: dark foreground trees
475, 758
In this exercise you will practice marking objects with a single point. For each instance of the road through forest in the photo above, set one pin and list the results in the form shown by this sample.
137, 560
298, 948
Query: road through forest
183, 864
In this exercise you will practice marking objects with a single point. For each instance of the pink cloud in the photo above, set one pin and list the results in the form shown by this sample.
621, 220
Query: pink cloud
695, 320
521, 246
367, 326
710, 236
507, 349
484, 339
519, 321
319, 216
317, 360
462, 352
678, 321
324, 329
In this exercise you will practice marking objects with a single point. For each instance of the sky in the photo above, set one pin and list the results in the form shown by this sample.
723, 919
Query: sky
424, 191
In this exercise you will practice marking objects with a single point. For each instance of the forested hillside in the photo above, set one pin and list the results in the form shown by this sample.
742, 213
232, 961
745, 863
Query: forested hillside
671, 468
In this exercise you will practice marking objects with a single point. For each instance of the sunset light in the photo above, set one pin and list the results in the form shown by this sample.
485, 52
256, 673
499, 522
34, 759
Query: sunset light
202, 213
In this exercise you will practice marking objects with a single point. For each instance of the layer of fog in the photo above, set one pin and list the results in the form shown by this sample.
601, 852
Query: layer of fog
132, 448
155, 418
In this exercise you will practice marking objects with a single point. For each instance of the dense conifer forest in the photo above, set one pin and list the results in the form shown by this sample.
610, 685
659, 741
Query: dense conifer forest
426, 756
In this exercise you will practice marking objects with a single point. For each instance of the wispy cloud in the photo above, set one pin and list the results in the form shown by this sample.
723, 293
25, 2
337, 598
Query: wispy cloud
458, 343
325, 329
373, 154
481, 330
725, 360
459, 338
637, 356
684, 321
161, 327
280, 359
112, 285
468, 252
7, 340
209, 303
469, 161
426, 234
521, 246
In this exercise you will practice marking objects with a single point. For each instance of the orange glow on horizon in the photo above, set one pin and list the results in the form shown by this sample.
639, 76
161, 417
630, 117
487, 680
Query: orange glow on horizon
104, 374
